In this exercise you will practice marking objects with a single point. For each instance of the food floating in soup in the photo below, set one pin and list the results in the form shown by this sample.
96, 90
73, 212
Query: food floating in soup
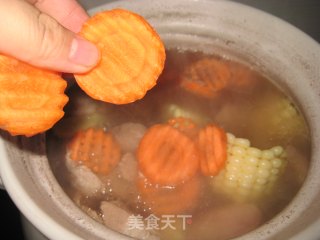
184, 162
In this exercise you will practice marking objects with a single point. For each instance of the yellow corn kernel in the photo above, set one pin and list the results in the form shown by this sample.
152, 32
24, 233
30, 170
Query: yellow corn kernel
277, 151
267, 154
230, 138
238, 151
241, 142
276, 162
265, 163
252, 160
254, 152
250, 173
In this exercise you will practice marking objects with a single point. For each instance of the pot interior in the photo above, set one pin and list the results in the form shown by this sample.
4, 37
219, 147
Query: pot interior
226, 28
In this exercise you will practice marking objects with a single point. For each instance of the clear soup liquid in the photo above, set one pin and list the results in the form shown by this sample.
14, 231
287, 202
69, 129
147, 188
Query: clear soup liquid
268, 153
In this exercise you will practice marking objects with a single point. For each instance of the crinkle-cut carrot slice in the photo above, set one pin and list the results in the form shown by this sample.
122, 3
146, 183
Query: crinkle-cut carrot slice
10, 64
242, 77
212, 144
31, 99
185, 125
181, 199
205, 77
96, 149
166, 156
132, 57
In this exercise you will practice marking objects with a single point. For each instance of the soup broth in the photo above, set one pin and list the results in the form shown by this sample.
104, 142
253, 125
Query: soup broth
268, 152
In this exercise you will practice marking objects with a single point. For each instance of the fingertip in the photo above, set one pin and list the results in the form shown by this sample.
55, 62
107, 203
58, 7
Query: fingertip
84, 54
75, 19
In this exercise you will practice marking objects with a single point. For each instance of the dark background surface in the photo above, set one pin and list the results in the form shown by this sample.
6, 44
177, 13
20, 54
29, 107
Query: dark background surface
304, 14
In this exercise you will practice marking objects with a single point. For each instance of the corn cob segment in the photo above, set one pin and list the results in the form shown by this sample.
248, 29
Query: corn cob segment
250, 172
285, 126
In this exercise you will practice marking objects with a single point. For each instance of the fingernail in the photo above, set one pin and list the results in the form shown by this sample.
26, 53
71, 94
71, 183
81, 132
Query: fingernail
83, 52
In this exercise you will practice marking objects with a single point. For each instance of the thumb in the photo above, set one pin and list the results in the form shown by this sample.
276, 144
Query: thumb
36, 38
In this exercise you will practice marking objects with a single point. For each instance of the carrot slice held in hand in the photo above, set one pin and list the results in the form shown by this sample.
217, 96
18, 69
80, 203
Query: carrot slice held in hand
132, 57
96, 149
205, 77
31, 99
166, 156
212, 144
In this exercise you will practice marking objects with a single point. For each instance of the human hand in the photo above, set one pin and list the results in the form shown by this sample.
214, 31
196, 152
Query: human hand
43, 33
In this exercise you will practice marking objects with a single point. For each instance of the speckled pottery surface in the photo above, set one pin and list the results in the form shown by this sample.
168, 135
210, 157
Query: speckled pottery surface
274, 46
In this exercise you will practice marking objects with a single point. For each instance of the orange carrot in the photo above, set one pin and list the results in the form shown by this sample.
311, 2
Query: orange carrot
242, 77
185, 125
31, 99
212, 144
166, 156
170, 200
96, 149
132, 57
205, 77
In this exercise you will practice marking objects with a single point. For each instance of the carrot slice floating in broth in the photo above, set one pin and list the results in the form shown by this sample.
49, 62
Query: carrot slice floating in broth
212, 144
132, 57
96, 149
31, 99
243, 78
166, 156
185, 125
205, 77
170, 200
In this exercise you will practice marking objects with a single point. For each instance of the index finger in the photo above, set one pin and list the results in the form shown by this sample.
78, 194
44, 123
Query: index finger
68, 13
